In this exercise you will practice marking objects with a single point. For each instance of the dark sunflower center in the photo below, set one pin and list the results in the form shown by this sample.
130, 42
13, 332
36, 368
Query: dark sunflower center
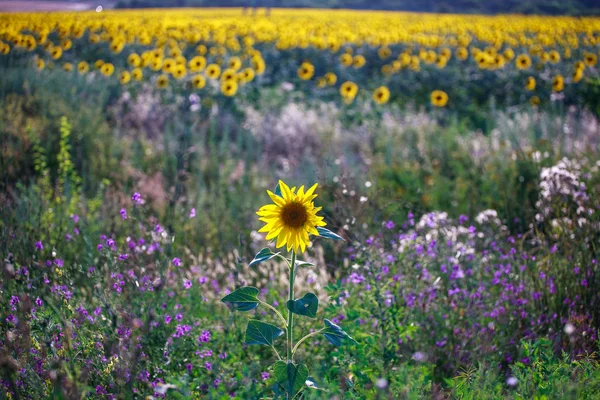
439, 98
294, 215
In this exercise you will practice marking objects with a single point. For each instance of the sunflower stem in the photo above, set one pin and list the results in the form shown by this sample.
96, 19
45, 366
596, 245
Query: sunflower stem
276, 312
290, 323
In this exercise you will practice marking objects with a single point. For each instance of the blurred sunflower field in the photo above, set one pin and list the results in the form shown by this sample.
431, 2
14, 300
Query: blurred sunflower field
458, 170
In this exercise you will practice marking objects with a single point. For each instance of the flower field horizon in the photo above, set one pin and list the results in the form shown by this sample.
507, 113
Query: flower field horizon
299, 203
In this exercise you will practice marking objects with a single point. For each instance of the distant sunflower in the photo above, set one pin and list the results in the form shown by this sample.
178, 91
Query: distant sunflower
590, 59
330, 78
577, 75
107, 69
124, 77
381, 95
384, 52
68, 67
359, 61
534, 101
348, 90
292, 217
137, 74
179, 71
229, 88
168, 64
306, 71
213, 71
162, 81
247, 75
530, 83
346, 59
197, 64
234, 63
134, 60
523, 61
439, 98
198, 81
228, 75
462, 53
558, 83
56, 53
83, 67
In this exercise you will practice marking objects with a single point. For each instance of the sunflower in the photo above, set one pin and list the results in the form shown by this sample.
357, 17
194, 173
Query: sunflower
40, 64
554, 57
509, 54
577, 75
291, 218
348, 91
321, 82
590, 59
461, 53
346, 59
98, 64
234, 63
198, 81
162, 81
247, 75
197, 64
530, 83
134, 60
439, 98
259, 65
201, 49
168, 65
534, 101
213, 71
66, 44
228, 75
156, 64
306, 71
229, 88
117, 46
330, 78
523, 61
381, 95
68, 67
179, 71
83, 67
137, 74
384, 52
359, 61
56, 53
107, 69
558, 83
124, 77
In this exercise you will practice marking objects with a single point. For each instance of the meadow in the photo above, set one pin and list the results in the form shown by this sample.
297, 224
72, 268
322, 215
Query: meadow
452, 251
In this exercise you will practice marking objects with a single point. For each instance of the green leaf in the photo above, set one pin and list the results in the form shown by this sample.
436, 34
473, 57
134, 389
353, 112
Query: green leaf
292, 377
335, 334
259, 332
300, 263
307, 305
327, 234
243, 299
263, 255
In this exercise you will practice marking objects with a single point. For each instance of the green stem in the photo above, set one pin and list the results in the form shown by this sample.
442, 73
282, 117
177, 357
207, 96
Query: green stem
304, 338
290, 323
275, 311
